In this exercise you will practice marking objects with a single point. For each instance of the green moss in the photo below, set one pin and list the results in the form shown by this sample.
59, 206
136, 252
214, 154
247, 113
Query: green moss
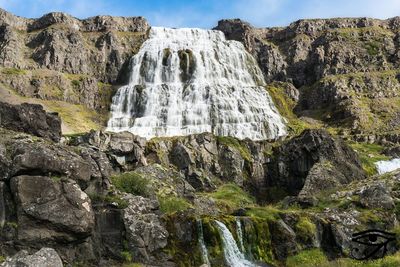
236, 144
257, 240
307, 258
126, 256
184, 251
369, 155
373, 48
315, 258
172, 204
76, 83
285, 106
305, 229
12, 225
111, 199
13, 71
133, 265
268, 213
2, 259
131, 182
230, 197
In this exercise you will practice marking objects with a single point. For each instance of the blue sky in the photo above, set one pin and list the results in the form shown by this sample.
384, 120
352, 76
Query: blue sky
206, 13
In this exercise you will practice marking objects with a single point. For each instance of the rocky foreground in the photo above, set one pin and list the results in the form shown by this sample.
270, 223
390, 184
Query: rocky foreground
104, 199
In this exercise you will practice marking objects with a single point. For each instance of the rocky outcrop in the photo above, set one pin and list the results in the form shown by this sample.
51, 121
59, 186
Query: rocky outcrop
346, 69
59, 57
146, 233
39, 216
45, 257
312, 162
30, 119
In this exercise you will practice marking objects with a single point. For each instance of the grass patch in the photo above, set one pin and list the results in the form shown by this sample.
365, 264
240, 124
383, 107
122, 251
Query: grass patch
268, 213
13, 71
231, 197
316, 258
126, 256
173, 204
305, 228
131, 182
307, 258
369, 155
285, 106
235, 143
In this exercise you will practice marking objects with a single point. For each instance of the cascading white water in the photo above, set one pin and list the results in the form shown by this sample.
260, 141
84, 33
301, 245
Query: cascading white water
385, 166
203, 248
233, 256
187, 81
240, 234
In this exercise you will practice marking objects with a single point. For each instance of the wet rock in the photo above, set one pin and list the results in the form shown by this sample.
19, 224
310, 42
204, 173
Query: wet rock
283, 239
45, 257
32, 119
312, 162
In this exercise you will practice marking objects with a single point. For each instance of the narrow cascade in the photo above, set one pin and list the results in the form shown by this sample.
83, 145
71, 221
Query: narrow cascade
233, 256
240, 234
188, 81
203, 248
385, 166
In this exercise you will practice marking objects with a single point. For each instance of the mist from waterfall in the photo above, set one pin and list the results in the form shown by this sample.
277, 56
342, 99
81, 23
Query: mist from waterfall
188, 81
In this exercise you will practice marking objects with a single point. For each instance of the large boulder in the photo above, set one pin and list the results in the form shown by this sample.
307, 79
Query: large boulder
45, 257
376, 196
312, 162
32, 119
60, 212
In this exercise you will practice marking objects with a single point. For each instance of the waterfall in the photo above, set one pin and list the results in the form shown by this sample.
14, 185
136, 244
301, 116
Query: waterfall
188, 81
203, 248
233, 256
240, 234
385, 166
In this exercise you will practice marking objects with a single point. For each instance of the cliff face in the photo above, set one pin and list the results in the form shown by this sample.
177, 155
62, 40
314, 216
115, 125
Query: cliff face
58, 57
345, 69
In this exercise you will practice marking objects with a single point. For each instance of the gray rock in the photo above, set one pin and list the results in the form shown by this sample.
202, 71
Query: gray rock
145, 232
312, 162
376, 196
63, 210
45, 257
30, 118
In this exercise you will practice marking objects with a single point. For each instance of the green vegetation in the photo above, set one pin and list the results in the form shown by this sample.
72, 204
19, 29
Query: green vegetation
285, 106
126, 256
268, 213
305, 228
231, 197
369, 155
316, 258
307, 258
115, 199
373, 48
236, 144
131, 182
2, 259
172, 204
13, 71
